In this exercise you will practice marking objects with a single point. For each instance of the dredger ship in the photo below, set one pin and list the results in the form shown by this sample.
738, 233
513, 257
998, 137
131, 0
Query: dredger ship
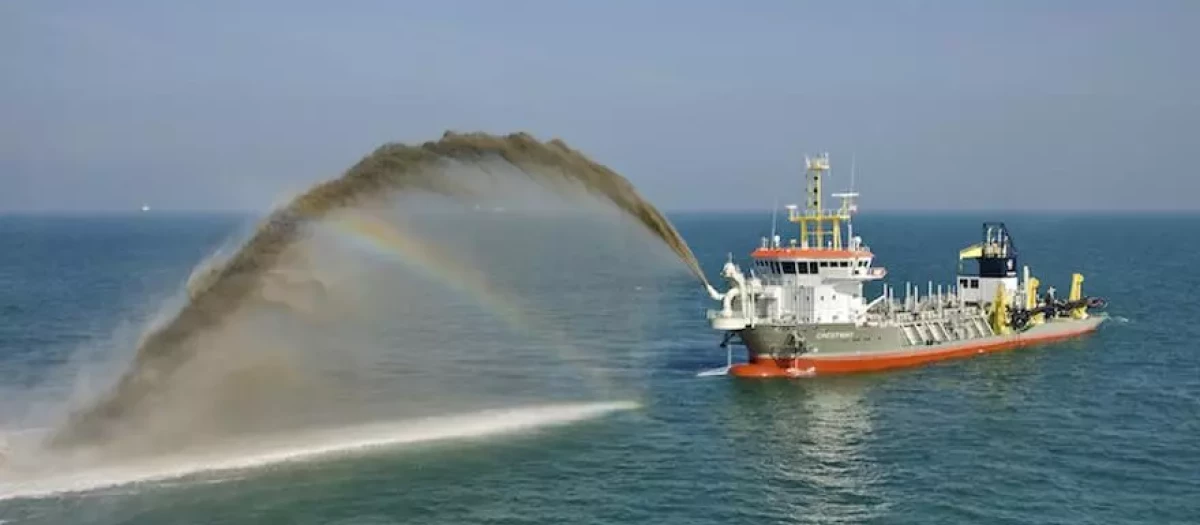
801, 310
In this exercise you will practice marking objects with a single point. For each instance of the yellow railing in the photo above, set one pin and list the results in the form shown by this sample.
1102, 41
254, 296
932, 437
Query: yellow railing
799, 215
817, 232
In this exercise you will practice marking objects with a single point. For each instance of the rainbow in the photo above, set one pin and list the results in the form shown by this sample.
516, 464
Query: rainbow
429, 260
434, 262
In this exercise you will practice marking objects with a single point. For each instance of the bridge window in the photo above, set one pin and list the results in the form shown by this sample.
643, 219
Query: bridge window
802, 267
789, 267
824, 264
812, 266
844, 264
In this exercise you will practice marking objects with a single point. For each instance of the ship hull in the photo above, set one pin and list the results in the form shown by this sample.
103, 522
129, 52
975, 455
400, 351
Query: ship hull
868, 350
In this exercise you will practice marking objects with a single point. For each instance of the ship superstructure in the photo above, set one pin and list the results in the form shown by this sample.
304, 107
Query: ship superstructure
801, 310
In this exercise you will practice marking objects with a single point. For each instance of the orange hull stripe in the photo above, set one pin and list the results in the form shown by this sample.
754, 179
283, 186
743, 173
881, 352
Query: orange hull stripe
768, 367
808, 253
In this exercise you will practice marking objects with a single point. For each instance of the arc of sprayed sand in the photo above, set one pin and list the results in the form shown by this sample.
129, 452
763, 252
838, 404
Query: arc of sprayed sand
390, 168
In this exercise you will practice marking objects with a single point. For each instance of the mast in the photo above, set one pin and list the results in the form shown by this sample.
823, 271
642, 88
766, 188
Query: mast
813, 217
815, 168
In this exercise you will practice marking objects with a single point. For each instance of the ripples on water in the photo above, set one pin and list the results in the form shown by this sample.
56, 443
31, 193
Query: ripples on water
1100, 430
805, 452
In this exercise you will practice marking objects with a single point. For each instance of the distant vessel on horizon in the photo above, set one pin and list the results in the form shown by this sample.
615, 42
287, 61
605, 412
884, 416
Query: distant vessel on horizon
801, 311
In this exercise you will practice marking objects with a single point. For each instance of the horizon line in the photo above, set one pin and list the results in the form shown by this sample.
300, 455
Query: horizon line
725, 211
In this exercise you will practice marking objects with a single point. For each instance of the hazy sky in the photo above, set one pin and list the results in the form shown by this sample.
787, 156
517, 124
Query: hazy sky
702, 104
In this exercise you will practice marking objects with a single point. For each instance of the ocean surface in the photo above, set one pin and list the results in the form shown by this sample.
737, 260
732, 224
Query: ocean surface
1104, 429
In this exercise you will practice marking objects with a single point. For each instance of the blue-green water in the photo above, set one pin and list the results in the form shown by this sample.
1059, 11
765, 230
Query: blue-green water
1104, 429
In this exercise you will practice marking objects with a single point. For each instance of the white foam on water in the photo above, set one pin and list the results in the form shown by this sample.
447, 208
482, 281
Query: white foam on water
306, 447
722, 371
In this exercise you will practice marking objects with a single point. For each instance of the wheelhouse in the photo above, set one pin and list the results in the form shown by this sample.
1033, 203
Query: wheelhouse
776, 263
986, 267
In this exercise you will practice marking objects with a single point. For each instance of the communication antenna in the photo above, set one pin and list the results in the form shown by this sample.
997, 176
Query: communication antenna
849, 206
853, 206
851, 173
774, 216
